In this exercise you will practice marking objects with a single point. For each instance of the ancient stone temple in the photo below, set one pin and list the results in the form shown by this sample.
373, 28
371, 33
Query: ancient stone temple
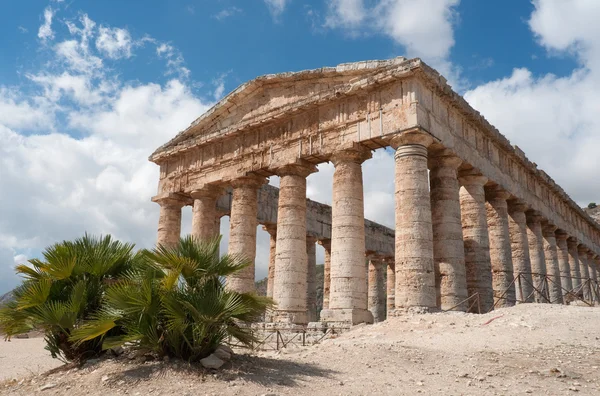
477, 225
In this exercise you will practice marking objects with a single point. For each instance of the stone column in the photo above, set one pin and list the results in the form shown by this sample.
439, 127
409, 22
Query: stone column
326, 243
311, 290
291, 262
377, 301
519, 243
242, 230
584, 271
415, 273
272, 230
536, 252
572, 244
563, 261
348, 295
390, 287
552, 266
476, 240
594, 275
169, 218
500, 247
204, 212
448, 246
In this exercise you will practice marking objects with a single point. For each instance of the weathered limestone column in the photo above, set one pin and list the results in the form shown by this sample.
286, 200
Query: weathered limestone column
519, 243
572, 244
584, 271
242, 230
563, 261
500, 247
448, 246
592, 266
272, 230
377, 301
311, 290
326, 243
415, 273
290, 285
476, 240
169, 218
348, 294
552, 266
204, 212
536, 252
390, 287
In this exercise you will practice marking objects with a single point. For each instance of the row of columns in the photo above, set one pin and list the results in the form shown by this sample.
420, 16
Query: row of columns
459, 239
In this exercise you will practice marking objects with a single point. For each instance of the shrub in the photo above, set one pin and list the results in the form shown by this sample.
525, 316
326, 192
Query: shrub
592, 205
176, 304
65, 288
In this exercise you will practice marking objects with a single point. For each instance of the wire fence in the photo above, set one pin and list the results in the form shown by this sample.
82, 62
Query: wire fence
278, 339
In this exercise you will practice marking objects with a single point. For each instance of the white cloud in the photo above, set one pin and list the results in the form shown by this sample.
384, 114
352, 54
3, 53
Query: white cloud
554, 119
45, 31
346, 13
115, 43
226, 13
276, 7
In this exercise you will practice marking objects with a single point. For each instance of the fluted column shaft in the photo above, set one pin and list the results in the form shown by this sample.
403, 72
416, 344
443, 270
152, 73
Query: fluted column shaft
476, 241
377, 301
584, 271
326, 243
563, 261
348, 294
272, 230
290, 286
204, 212
519, 243
242, 230
390, 287
448, 247
415, 273
552, 265
536, 252
311, 290
574, 264
169, 220
500, 247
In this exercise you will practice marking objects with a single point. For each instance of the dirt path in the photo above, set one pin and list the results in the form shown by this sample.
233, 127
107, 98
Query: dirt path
528, 349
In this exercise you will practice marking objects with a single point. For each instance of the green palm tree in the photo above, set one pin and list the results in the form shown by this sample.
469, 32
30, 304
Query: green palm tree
65, 288
176, 303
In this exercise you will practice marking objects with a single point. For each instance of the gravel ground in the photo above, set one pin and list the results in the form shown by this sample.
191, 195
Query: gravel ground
528, 349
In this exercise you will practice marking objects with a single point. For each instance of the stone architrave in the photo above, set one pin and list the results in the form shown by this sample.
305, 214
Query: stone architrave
242, 230
272, 230
552, 266
169, 219
326, 243
348, 293
563, 261
291, 262
415, 272
476, 240
311, 289
448, 246
204, 212
519, 242
390, 286
572, 245
377, 300
500, 247
536, 252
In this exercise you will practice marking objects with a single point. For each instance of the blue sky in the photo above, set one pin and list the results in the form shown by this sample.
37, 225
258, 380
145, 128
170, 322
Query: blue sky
89, 88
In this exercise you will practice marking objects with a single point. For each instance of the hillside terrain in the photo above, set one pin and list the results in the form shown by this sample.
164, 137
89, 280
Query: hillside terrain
594, 212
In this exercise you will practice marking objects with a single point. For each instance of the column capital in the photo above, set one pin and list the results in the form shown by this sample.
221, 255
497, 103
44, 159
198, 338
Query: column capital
171, 199
411, 138
496, 192
517, 205
249, 181
211, 191
357, 154
444, 159
572, 242
468, 179
300, 168
271, 228
582, 249
561, 235
548, 229
533, 216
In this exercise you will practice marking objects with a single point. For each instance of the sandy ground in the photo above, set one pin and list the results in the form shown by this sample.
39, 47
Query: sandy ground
528, 349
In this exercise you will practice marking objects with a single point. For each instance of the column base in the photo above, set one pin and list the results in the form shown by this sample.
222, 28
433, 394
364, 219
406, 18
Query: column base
296, 317
353, 316
413, 310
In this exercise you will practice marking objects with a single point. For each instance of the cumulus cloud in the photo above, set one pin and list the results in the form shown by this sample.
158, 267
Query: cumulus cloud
276, 7
45, 31
554, 118
115, 43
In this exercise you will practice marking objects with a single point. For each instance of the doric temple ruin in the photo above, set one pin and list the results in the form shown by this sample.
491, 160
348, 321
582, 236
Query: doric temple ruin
477, 225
